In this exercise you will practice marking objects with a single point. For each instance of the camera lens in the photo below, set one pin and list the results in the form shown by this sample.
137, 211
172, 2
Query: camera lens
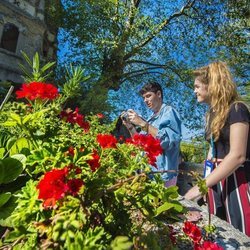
125, 117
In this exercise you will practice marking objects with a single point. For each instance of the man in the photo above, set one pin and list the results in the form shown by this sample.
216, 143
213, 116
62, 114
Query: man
164, 124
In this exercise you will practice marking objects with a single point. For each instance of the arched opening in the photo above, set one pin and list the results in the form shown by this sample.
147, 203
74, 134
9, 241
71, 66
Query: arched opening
9, 37
45, 48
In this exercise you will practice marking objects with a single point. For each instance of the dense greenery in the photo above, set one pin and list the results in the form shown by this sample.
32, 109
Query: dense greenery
67, 183
194, 151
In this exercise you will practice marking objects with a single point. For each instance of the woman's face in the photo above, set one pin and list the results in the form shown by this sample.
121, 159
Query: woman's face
201, 91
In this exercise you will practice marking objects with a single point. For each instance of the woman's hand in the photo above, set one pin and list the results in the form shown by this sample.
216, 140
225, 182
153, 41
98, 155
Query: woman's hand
193, 194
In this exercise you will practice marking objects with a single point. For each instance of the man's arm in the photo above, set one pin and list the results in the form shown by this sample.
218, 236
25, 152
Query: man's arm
169, 131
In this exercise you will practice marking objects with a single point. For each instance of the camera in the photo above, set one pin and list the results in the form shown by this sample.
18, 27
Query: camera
124, 116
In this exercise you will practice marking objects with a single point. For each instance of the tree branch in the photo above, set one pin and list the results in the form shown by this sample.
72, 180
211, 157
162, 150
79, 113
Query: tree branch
145, 62
140, 74
162, 25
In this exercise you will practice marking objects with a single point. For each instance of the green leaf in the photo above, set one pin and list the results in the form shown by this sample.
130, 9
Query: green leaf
26, 58
15, 117
5, 212
166, 206
27, 118
4, 198
177, 206
2, 151
10, 169
4, 137
36, 63
9, 124
19, 144
10, 143
47, 66
121, 243
20, 157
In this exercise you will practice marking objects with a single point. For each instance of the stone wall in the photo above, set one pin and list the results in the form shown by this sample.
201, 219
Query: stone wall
227, 236
185, 180
34, 36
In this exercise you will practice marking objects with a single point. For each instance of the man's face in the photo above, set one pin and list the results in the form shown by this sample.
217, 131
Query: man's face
153, 100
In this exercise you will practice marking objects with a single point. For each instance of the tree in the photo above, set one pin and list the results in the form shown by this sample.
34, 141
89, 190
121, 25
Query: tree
123, 43
116, 39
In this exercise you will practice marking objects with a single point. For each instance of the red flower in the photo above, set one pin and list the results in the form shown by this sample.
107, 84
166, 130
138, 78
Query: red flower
149, 144
106, 141
192, 231
74, 186
37, 90
71, 151
78, 171
50, 203
100, 116
94, 163
55, 185
208, 245
172, 234
75, 118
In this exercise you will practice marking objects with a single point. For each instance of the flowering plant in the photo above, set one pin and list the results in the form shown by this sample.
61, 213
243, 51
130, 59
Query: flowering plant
37, 90
191, 236
68, 183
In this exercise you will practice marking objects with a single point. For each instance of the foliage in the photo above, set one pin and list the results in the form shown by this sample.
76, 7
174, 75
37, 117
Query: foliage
37, 72
194, 151
66, 181
235, 37
125, 43
192, 237
246, 97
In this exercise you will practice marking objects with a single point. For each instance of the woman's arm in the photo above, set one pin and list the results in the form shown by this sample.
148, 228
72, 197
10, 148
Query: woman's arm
236, 157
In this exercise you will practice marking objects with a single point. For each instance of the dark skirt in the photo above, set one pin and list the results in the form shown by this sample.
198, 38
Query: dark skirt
230, 199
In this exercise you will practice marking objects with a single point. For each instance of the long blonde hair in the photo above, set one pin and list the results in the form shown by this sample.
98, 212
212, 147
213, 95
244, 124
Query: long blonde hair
222, 93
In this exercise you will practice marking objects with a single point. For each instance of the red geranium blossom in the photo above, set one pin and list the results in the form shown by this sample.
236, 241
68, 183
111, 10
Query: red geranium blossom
71, 151
106, 140
37, 90
100, 116
74, 186
75, 118
94, 163
192, 231
172, 234
55, 185
150, 145
208, 245
49, 203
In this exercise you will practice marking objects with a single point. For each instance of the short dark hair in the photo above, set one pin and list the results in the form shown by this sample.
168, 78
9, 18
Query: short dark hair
151, 87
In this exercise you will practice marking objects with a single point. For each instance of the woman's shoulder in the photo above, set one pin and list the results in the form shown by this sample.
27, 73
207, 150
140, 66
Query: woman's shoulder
239, 111
239, 107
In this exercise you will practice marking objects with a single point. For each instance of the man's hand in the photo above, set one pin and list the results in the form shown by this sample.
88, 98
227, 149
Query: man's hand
135, 118
126, 121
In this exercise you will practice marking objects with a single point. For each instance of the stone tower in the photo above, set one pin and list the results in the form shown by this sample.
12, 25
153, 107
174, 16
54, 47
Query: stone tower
23, 27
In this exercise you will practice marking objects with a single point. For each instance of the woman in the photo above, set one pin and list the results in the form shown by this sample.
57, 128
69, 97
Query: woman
227, 130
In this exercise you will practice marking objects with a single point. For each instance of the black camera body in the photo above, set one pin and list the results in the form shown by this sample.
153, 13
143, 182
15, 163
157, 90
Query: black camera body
125, 116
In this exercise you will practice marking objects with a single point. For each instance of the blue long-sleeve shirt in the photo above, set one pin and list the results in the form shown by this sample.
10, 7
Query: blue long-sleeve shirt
168, 123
